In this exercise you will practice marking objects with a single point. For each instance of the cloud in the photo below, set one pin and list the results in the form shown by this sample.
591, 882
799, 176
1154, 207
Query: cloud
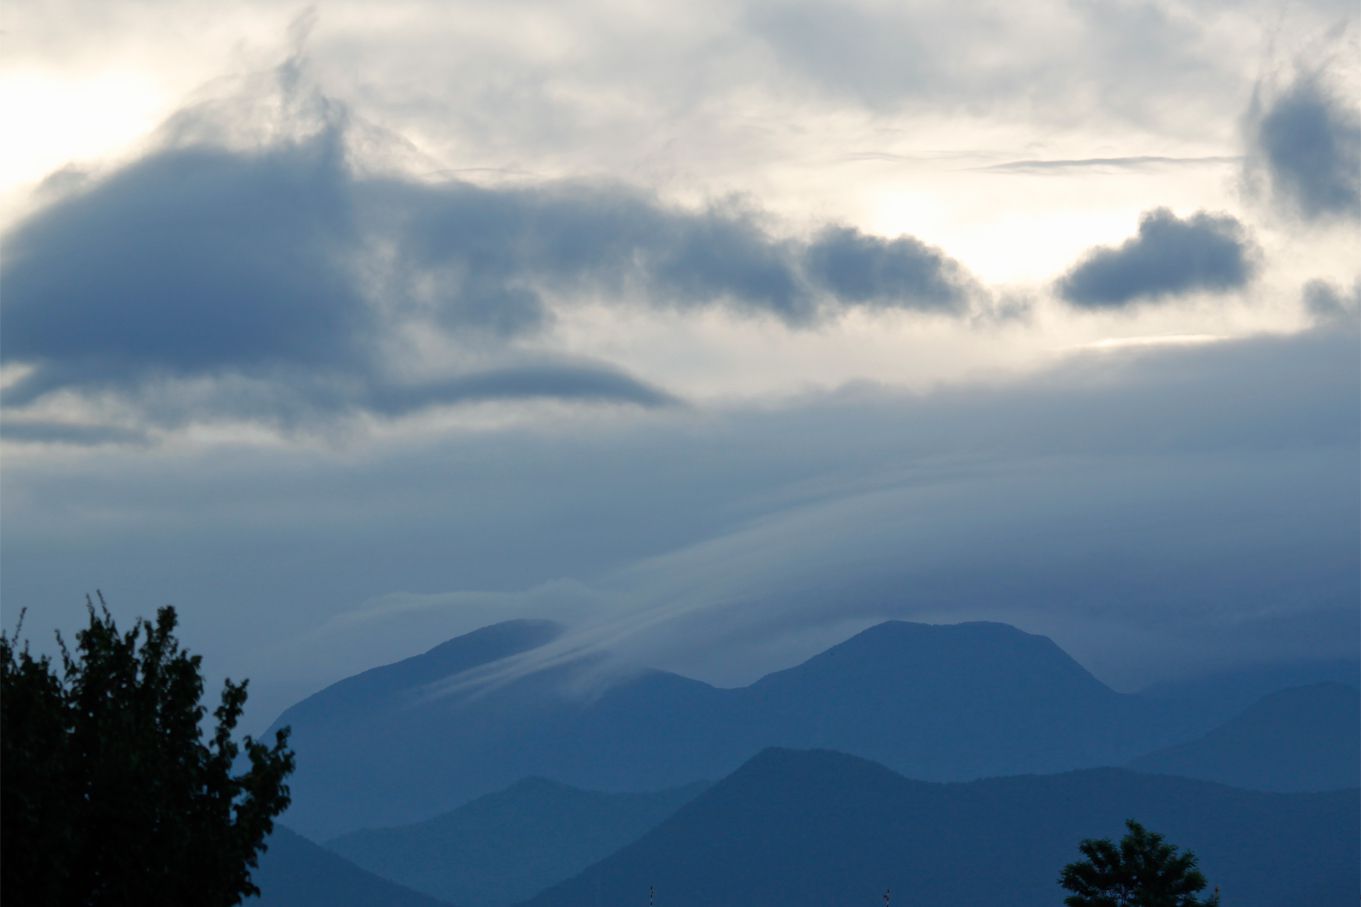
277, 282
1134, 162
511, 249
1331, 305
244, 268
294, 403
878, 272
1154, 509
1094, 504
189, 262
1170, 256
1305, 144
1166, 506
495, 257
38, 431
1056, 61
585, 381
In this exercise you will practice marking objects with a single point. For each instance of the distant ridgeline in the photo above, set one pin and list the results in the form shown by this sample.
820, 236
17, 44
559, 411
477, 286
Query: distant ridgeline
412, 743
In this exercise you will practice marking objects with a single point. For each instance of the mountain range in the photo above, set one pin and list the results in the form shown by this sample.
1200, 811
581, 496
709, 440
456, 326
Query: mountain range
954, 763
504, 848
810, 828
1301, 739
411, 740
295, 872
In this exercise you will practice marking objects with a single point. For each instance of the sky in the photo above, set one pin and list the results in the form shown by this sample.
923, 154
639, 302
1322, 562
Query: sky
717, 331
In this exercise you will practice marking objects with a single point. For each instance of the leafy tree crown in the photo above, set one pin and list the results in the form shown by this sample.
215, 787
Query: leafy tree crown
112, 789
1143, 870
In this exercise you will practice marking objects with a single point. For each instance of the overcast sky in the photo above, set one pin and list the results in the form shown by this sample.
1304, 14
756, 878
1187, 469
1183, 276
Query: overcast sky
715, 330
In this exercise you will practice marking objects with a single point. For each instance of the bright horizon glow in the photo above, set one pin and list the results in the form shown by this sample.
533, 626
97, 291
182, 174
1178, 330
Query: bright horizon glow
89, 119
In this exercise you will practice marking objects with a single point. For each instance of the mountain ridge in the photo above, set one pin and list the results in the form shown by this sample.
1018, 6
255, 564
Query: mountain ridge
449, 658
296, 872
939, 702
810, 827
1299, 739
504, 847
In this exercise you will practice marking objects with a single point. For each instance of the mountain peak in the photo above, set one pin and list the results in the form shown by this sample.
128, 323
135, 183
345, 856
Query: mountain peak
910, 629
451, 657
962, 632
965, 655
807, 828
519, 635
782, 761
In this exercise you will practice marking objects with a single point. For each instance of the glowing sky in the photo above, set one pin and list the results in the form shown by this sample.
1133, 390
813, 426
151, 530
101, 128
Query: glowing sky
313, 313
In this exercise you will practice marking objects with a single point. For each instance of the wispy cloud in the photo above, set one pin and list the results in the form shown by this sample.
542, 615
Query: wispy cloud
1069, 504
1134, 162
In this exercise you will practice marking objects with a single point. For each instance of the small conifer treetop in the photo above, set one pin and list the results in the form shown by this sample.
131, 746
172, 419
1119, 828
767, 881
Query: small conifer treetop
110, 790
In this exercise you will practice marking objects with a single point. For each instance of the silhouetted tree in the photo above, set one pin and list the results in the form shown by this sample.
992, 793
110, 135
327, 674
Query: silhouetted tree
1141, 871
109, 791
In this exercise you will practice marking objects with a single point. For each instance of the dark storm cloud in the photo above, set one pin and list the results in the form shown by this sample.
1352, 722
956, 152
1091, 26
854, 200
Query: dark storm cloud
1306, 142
1169, 256
289, 280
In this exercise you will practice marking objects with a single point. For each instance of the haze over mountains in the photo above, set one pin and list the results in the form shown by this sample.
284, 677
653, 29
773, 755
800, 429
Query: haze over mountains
506, 847
717, 331
494, 770
410, 740
295, 872
807, 828
1301, 739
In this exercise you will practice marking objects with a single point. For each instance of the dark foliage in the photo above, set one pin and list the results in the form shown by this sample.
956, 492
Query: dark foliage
1143, 870
109, 791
